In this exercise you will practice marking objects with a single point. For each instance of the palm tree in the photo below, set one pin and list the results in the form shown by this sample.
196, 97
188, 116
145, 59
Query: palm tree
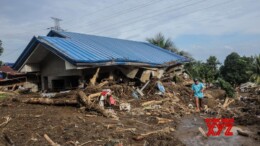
161, 41
255, 76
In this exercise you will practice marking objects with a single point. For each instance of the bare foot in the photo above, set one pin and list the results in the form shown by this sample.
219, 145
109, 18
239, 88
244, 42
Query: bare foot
197, 110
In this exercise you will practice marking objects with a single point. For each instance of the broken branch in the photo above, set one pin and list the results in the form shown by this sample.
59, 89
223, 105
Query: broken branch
162, 131
50, 141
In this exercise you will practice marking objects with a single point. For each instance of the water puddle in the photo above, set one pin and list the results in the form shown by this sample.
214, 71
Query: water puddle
188, 133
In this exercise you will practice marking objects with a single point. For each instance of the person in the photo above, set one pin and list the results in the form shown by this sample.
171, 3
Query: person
198, 89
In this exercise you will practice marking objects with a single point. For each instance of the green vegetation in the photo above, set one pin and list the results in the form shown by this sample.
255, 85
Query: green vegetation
1, 50
3, 96
255, 72
235, 70
161, 41
227, 87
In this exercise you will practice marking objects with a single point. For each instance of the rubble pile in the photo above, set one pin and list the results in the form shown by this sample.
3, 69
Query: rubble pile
157, 104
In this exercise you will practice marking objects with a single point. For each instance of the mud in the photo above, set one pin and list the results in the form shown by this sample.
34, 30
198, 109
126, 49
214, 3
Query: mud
67, 125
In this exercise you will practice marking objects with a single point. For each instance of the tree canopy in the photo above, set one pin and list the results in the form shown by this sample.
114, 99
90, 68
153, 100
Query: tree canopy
1, 48
235, 69
255, 72
160, 40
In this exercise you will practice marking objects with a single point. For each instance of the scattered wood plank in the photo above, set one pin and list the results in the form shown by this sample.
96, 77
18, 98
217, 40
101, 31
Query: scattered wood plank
162, 131
50, 141
125, 129
7, 120
202, 132
163, 120
152, 102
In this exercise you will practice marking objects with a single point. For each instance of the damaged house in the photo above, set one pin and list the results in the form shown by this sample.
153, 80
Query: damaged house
66, 60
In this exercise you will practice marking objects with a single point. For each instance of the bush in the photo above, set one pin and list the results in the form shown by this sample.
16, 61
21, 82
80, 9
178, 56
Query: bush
227, 87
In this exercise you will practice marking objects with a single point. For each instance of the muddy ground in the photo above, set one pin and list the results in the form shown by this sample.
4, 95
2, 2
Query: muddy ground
68, 125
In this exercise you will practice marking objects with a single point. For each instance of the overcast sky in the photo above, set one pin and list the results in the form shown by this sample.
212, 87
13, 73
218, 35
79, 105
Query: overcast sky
200, 27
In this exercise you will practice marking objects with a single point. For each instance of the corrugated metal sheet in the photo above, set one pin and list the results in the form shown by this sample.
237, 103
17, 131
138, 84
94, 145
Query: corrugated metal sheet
83, 48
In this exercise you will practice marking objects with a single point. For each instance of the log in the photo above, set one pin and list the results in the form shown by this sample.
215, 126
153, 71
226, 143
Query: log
89, 105
47, 101
84, 99
102, 84
94, 78
52, 143
242, 133
162, 131
93, 95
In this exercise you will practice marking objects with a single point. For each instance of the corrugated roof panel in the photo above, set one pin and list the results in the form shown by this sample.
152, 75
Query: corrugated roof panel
88, 48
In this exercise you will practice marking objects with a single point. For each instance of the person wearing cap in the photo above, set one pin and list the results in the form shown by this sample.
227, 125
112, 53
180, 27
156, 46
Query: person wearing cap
198, 89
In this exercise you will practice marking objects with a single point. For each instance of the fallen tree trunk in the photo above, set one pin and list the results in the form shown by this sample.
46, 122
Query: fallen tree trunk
47, 101
85, 100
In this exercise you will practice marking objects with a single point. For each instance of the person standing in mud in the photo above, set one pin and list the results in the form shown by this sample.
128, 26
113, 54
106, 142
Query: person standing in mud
198, 89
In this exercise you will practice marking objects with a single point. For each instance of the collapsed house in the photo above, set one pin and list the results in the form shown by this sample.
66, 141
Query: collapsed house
67, 60
10, 77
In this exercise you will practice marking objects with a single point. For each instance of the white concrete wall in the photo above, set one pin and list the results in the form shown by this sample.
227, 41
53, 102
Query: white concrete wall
53, 67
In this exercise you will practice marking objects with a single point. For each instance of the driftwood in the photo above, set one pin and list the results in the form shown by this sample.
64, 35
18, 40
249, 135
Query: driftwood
85, 100
154, 102
93, 95
52, 143
242, 133
163, 120
125, 129
102, 84
227, 102
202, 132
94, 78
162, 131
47, 101
7, 120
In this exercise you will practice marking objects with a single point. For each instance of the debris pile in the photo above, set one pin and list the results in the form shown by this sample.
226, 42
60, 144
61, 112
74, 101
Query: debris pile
139, 111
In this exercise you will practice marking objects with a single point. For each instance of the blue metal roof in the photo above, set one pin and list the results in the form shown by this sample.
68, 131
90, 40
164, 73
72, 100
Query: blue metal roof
82, 48
90, 48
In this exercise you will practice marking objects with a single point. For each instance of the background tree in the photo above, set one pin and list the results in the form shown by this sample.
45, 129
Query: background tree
235, 69
211, 67
161, 41
1, 50
255, 72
